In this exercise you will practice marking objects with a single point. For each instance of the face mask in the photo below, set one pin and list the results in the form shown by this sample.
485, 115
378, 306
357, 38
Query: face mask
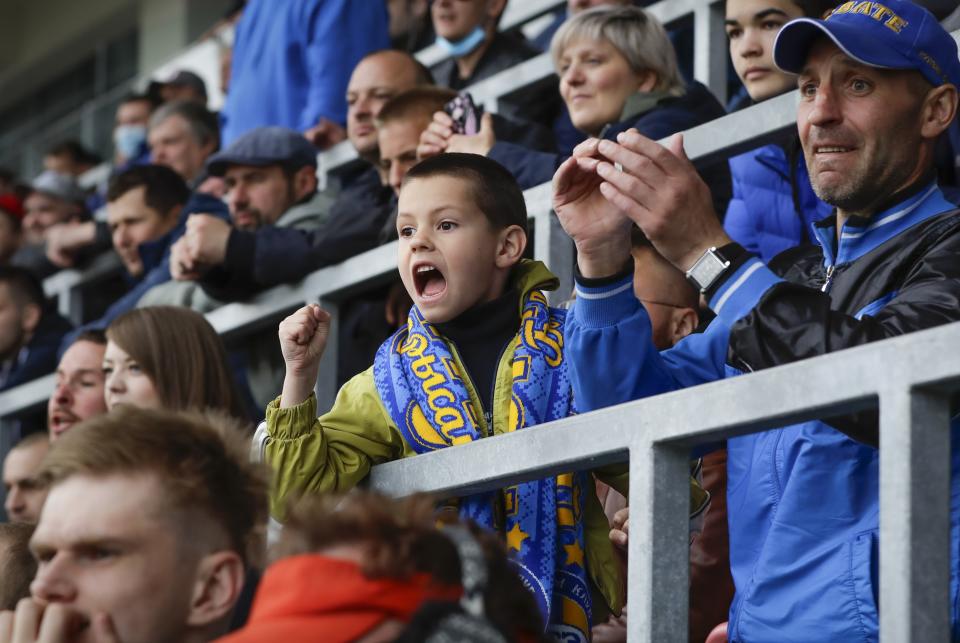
465, 45
128, 139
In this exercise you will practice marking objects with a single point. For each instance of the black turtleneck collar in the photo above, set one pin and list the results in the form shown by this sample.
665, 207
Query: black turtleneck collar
480, 335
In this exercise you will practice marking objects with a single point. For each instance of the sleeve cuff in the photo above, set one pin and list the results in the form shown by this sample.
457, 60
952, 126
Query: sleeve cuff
606, 304
739, 293
241, 246
291, 423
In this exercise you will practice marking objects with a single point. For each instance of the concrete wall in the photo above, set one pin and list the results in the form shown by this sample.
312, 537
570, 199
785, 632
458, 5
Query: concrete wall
41, 38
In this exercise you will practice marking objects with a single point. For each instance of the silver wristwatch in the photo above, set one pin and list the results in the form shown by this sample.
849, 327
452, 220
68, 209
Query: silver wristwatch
707, 269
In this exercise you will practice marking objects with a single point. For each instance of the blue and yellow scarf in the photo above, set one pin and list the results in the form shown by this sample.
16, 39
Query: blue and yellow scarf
423, 389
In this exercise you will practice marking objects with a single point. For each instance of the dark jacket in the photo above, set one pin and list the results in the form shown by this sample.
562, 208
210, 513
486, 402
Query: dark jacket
505, 51
773, 206
39, 356
803, 500
155, 256
261, 259
670, 115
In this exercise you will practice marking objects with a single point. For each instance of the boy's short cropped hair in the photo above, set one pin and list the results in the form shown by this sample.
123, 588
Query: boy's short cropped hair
494, 189
16, 562
202, 461
415, 102
164, 189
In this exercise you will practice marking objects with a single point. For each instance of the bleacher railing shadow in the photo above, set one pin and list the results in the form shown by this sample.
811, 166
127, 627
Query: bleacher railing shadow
655, 436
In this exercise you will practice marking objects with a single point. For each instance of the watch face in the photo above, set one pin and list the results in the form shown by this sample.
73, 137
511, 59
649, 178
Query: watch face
707, 269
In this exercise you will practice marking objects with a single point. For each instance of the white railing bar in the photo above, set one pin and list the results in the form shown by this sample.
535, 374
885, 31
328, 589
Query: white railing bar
841, 382
490, 90
704, 144
657, 433
27, 396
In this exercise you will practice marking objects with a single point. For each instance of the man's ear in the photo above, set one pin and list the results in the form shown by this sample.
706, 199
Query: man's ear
217, 587
304, 182
30, 318
512, 243
683, 322
939, 109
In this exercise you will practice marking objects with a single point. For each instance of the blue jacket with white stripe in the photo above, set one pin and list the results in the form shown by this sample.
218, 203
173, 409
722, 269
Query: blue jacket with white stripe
803, 499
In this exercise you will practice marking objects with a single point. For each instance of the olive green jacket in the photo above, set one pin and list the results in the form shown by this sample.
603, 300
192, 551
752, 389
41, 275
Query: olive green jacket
336, 451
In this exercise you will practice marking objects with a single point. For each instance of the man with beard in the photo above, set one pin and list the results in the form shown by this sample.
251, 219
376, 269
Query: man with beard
78, 394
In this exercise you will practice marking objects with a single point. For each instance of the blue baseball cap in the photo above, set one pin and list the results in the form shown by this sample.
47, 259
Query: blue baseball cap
265, 146
895, 34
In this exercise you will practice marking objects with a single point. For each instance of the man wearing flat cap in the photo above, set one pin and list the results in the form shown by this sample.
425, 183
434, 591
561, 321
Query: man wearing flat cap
878, 85
54, 198
270, 174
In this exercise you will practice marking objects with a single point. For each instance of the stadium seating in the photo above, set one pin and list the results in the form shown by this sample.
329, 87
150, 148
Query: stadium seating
657, 433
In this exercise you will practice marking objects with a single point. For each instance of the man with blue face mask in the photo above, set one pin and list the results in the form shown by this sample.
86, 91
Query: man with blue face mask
130, 132
467, 32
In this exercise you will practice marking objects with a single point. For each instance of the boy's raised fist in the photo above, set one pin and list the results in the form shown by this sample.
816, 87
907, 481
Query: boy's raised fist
303, 336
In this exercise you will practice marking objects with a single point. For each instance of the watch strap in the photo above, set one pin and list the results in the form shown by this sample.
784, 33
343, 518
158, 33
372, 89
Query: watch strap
736, 255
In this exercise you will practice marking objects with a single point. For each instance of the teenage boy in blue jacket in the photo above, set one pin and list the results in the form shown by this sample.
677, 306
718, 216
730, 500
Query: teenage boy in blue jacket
878, 84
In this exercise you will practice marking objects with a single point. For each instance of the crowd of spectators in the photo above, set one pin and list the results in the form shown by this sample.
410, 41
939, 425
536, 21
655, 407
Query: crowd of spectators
147, 476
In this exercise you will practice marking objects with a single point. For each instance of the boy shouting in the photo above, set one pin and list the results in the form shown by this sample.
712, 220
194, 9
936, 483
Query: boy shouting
481, 354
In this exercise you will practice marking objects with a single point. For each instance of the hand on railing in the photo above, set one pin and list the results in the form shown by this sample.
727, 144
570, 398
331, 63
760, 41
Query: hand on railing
64, 240
203, 245
303, 337
600, 231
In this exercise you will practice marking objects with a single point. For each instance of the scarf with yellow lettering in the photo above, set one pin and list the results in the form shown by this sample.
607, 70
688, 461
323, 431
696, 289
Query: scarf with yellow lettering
424, 391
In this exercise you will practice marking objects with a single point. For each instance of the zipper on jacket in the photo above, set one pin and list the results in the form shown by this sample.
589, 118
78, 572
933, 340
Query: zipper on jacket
827, 283
488, 415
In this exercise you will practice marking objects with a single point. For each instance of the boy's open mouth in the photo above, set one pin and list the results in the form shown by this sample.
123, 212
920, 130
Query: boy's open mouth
429, 281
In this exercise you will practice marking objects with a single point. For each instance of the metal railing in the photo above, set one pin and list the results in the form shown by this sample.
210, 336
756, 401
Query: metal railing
709, 48
656, 434
710, 60
706, 144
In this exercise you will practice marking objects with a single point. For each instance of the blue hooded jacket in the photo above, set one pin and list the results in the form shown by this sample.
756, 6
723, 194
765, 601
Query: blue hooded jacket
803, 500
773, 206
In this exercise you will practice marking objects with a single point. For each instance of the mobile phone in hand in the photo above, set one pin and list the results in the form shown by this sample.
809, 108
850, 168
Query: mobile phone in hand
465, 114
